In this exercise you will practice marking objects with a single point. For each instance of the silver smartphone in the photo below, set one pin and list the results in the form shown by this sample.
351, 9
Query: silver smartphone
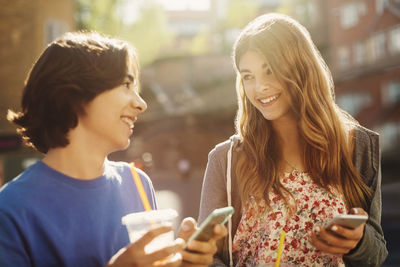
205, 231
347, 220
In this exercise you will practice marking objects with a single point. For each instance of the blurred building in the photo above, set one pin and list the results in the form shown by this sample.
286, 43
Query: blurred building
365, 53
26, 27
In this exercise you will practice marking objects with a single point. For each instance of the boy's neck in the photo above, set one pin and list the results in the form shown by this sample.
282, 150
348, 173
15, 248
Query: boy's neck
75, 163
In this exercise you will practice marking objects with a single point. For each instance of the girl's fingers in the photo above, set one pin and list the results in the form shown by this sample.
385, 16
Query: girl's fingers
331, 243
350, 234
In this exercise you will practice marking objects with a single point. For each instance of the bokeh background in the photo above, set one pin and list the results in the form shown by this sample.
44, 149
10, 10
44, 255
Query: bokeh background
187, 79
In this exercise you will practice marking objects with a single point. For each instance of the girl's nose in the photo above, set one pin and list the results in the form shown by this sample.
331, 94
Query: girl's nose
262, 85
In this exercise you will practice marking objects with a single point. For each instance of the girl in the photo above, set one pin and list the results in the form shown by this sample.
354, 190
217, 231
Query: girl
296, 161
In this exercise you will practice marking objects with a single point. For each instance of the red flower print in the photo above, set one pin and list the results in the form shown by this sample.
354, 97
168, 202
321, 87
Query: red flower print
268, 259
295, 243
309, 226
300, 189
321, 211
257, 237
276, 198
274, 215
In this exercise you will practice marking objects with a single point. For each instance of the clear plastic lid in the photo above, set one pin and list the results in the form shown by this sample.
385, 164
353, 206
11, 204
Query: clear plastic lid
149, 216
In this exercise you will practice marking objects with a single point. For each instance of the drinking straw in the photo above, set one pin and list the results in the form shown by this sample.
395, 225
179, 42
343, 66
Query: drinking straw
278, 257
140, 188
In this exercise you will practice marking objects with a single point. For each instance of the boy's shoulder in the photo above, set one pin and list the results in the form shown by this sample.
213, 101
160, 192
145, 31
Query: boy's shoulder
122, 167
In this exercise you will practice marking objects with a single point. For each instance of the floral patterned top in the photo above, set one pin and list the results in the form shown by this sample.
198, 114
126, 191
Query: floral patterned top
257, 238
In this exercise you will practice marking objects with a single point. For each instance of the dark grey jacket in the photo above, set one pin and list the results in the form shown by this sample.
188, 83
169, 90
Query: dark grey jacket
371, 251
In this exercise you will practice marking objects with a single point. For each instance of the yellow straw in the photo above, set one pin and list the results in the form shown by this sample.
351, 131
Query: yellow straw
278, 258
140, 188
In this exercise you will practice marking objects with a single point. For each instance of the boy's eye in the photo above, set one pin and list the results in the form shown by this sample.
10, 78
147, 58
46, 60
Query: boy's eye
127, 84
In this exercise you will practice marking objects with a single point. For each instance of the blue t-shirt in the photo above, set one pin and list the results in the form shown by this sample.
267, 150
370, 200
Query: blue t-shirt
50, 219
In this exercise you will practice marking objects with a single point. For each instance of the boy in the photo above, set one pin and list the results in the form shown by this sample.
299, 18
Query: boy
80, 103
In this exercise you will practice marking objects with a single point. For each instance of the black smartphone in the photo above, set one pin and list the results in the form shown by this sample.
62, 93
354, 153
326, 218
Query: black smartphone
205, 231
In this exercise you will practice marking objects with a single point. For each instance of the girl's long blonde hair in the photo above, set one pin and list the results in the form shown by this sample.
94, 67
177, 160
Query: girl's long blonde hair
323, 127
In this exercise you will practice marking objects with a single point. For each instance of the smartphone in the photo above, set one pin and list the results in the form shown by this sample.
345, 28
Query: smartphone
205, 231
347, 220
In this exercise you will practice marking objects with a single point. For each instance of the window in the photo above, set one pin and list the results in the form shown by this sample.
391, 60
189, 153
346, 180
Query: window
391, 93
381, 5
378, 46
343, 57
390, 135
54, 29
360, 53
354, 102
350, 14
394, 40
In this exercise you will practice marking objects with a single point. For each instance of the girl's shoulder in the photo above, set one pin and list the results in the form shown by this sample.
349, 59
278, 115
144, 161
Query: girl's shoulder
365, 134
366, 153
365, 141
225, 145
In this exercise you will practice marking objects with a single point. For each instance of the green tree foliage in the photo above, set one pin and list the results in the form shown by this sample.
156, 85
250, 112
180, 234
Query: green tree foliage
240, 12
98, 15
148, 33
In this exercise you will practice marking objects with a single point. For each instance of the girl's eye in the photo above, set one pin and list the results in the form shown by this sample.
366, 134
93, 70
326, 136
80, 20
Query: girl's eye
269, 71
246, 77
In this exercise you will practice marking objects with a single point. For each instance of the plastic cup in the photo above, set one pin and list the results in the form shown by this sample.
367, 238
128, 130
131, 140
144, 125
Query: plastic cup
140, 223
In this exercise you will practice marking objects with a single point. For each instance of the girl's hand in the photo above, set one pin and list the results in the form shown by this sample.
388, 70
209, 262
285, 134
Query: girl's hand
199, 253
135, 255
338, 240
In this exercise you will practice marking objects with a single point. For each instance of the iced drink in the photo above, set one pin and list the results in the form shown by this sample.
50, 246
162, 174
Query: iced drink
139, 223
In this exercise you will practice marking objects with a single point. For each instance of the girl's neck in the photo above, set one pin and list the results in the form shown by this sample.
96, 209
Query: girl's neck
291, 145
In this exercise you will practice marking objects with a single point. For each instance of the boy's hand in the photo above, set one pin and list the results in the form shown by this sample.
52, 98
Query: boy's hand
201, 253
135, 255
